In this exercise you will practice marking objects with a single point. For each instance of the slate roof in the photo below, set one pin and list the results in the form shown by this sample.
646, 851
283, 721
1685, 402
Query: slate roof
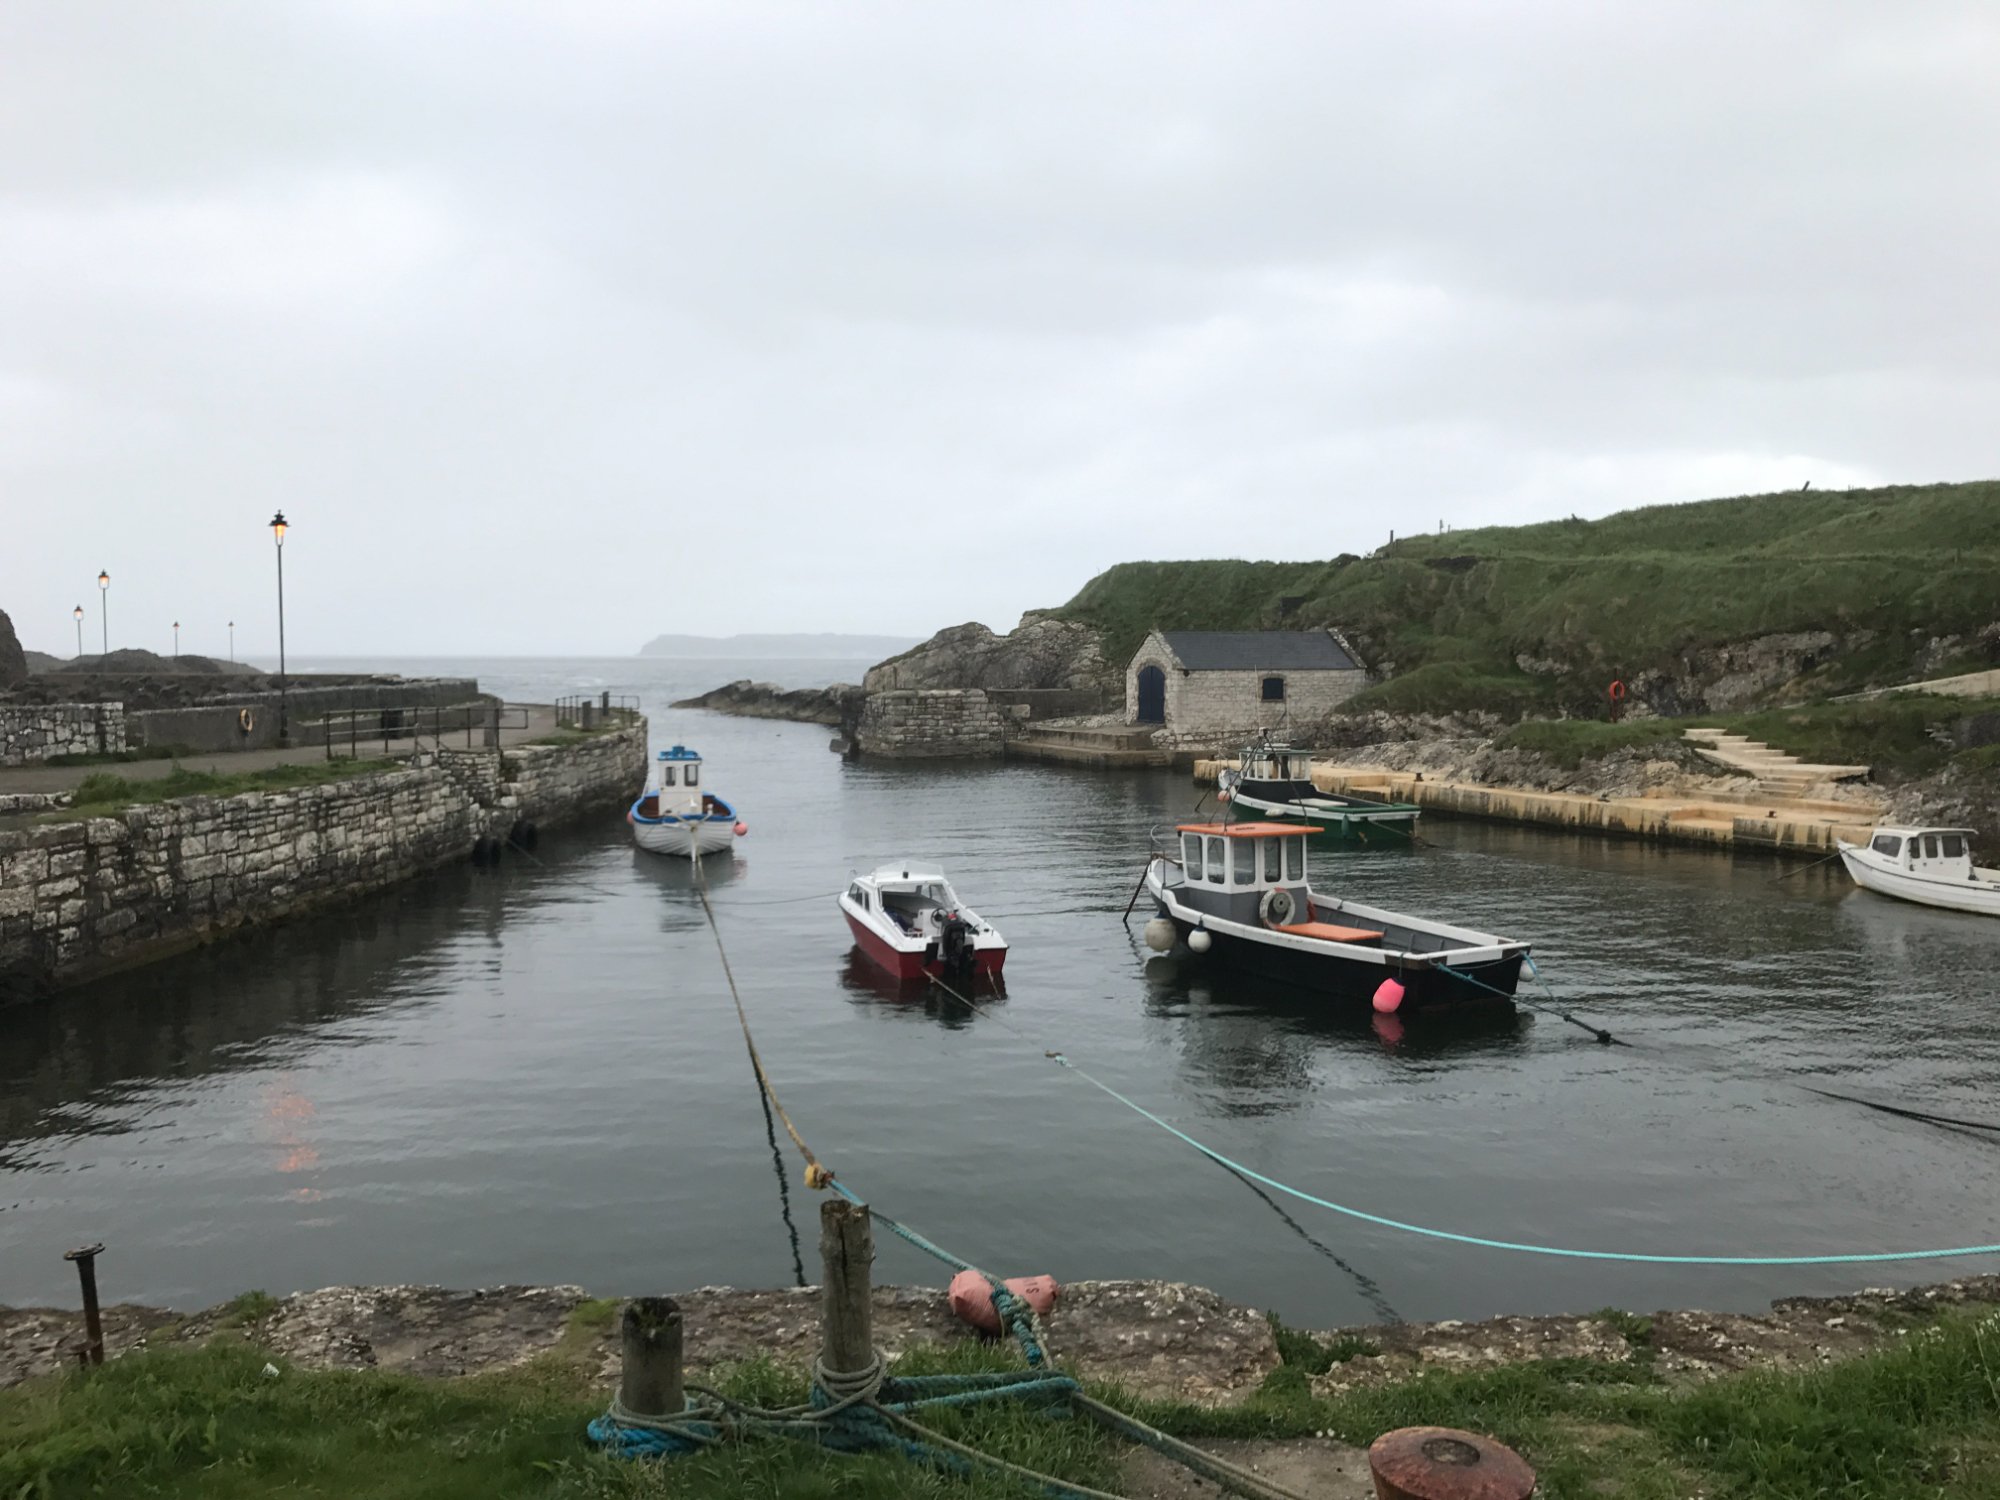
1258, 650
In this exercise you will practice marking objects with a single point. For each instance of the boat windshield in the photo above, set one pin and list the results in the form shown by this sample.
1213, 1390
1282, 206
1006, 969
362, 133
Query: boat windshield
1295, 857
1954, 846
1191, 855
1887, 844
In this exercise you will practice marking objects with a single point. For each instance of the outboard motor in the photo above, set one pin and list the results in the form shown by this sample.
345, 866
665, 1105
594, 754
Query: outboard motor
956, 955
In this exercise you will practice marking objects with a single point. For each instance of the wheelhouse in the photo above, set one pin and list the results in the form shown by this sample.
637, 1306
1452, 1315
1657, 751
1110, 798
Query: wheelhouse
1277, 763
1939, 853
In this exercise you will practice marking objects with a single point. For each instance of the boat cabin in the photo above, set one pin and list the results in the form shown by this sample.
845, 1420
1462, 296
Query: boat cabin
676, 784
1277, 763
1932, 853
1256, 873
912, 897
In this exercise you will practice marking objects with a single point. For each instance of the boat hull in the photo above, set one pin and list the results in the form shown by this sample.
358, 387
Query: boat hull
1394, 822
689, 838
910, 963
1976, 896
1485, 983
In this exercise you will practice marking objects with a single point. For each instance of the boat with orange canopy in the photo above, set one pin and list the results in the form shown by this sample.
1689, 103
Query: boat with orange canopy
1239, 892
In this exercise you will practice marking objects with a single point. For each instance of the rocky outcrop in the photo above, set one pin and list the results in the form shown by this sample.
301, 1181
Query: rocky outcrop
838, 704
13, 660
1040, 652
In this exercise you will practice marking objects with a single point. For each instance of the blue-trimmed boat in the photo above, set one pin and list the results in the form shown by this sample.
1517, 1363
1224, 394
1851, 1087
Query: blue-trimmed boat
675, 815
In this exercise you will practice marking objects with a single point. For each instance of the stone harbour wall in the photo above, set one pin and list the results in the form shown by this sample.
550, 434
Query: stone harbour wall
913, 724
32, 732
84, 897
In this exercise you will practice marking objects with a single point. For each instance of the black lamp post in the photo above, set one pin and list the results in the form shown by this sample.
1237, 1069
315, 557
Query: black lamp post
284, 717
79, 633
104, 608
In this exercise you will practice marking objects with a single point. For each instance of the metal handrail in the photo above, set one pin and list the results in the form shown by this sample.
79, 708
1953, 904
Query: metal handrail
574, 708
348, 729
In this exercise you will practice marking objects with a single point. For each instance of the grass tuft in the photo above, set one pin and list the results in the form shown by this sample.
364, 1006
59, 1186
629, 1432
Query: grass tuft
102, 793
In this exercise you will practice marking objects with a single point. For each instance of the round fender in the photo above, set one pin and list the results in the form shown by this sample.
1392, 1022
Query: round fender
1279, 908
971, 1296
246, 719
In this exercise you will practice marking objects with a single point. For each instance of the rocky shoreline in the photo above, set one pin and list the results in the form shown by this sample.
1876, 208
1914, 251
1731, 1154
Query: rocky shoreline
1166, 1340
835, 705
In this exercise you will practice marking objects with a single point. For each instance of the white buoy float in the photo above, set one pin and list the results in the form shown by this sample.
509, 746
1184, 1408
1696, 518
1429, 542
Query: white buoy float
1199, 940
1159, 934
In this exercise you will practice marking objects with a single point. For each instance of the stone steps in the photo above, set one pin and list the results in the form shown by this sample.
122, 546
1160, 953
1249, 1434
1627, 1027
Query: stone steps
1778, 773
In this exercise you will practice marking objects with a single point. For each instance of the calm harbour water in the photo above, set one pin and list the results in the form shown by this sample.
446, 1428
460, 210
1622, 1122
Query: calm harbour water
535, 1074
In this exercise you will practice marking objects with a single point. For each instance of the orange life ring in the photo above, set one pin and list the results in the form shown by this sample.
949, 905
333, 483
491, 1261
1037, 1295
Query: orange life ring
1617, 692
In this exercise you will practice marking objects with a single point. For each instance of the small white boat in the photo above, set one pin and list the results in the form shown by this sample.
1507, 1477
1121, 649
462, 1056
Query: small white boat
908, 919
1931, 866
675, 816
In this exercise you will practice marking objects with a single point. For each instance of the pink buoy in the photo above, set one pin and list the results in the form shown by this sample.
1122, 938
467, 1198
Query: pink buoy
1388, 996
971, 1297
741, 828
1222, 796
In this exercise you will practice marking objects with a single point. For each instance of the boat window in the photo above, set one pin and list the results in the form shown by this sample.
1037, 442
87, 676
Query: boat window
1273, 860
1954, 846
1295, 857
666, 775
1217, 862
1191, 854
1887, 843
854, 895
693, 773
1274, 690
1244, 866
1930, 846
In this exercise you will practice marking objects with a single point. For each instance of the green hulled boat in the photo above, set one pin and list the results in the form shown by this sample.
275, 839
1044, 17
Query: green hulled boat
1275, 785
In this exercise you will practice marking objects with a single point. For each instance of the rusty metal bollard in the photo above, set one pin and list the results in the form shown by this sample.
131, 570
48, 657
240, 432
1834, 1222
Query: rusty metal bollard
93, 1324
1441, 1463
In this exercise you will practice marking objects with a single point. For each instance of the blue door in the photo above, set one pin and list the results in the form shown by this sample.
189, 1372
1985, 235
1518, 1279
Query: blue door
1152, 696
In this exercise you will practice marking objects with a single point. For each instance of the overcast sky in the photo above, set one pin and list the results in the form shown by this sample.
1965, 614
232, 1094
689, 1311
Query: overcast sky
554, 326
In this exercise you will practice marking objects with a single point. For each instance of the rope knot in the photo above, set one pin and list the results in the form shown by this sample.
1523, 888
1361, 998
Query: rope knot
845, 1388
818, 1176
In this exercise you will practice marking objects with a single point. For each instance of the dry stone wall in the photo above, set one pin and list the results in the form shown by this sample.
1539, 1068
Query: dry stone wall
911, 724
78, 898
32, 732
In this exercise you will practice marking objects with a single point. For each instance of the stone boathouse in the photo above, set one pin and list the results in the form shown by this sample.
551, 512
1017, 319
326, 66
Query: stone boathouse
1194, 682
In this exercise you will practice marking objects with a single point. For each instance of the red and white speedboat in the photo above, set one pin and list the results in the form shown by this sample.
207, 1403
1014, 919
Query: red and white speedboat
908, 919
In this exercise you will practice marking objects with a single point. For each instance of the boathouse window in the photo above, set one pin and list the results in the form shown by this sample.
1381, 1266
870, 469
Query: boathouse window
1887, 844
666, 776
1217, 861
1274, 690
693, 773
1191, 855
1244, 867
1954, 846
1295, 858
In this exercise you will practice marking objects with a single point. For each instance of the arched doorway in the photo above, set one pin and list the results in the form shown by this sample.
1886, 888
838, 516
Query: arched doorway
1152, 696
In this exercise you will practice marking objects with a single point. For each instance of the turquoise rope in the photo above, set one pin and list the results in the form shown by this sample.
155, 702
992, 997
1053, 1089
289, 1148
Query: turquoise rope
1526, 1249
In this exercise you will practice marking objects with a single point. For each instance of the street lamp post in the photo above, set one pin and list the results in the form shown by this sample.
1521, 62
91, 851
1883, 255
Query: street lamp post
79, 634
284, 717
177, 640
232, 643
104, 608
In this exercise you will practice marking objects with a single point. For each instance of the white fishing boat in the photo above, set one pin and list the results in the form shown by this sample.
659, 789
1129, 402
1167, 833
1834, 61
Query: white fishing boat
908, 919
1930, 866
674, 815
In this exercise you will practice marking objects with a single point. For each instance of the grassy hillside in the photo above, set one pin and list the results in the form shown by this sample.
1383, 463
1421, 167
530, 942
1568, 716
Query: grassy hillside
1887, 570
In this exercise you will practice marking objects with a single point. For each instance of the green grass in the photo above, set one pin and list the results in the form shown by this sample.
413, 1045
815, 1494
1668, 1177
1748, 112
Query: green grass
1606, 598
248, 1308
1906, 733
1571, 742
1919, 1417
101, 793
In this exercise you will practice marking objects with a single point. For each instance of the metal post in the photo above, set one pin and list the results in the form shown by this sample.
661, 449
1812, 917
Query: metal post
284, 705
79, 632
93, 1325
847, 1250
649, 1377
607, 705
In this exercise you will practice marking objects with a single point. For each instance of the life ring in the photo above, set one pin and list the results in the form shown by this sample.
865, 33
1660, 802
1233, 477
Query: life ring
1278, 908
246, 719
1617, 691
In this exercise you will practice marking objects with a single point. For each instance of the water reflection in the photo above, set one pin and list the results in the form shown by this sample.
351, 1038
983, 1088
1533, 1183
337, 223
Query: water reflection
870, 986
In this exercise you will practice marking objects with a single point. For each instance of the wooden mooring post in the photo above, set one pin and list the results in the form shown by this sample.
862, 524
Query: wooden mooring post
847, 1250
649, 1380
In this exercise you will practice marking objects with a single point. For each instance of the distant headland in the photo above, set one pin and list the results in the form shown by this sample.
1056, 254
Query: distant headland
824, 644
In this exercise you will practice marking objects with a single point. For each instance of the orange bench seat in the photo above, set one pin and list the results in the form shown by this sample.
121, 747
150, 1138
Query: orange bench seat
1328, 932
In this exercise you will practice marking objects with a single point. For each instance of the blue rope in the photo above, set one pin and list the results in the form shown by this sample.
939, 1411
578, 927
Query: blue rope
1015, 1315
1526, 1249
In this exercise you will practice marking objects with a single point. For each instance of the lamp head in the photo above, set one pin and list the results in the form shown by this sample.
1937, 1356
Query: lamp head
79, 611
104, 580
278, 527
